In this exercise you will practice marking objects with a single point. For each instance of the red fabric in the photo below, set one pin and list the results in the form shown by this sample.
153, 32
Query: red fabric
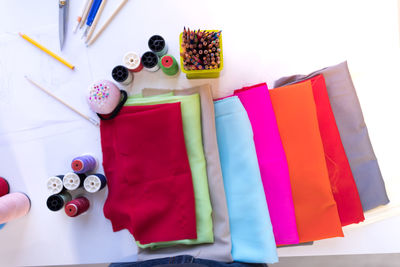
343, 186
150, 190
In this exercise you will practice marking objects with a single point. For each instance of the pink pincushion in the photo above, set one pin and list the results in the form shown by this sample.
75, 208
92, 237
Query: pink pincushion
103, 97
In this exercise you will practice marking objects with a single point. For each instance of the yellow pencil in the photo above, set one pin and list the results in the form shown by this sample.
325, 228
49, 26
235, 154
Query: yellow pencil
44, 49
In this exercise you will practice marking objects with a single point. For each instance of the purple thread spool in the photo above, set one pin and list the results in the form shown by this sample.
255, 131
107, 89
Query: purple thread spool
82, 164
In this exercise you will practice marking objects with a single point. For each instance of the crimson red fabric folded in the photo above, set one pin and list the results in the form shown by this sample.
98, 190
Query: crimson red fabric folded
343, 186
150, 189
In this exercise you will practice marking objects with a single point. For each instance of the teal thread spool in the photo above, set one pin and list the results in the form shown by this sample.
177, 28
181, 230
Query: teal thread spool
169, 65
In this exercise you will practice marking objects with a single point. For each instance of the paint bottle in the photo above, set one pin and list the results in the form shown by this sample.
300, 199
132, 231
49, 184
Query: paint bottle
150, 61
158, 45
57, 201
132, 62
169, 65
4, 187
55, 184
77, 206
95, 182
84, 163
122, 75
13, 206
73, 181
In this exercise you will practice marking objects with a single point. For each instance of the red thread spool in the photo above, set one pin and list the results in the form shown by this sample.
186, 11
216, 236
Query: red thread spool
4, 187
77, 206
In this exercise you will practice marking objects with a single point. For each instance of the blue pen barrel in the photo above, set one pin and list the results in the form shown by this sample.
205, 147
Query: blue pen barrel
93, 11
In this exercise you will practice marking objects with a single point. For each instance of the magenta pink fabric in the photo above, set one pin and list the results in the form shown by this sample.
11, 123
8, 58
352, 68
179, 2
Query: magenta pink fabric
272, 162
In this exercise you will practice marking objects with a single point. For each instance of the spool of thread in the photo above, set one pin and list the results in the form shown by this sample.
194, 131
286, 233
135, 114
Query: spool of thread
55, 184
73, 181
158, 45
4, 187
104, 96
150, 61
122, 75
13, 206
77, 206
95, 182
84, 163
169, 65
2, 225
132, 62
57, 201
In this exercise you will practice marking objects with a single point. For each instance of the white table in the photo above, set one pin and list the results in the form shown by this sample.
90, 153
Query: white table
263, 40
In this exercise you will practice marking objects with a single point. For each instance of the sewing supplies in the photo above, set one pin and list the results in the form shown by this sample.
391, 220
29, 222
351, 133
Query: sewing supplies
73, 181
169, 65
84, 163
55, 184
95, 21
158, 45
62, 20
201, 53
92, 14
116, 11
82, 13
150, 61
47, 51
132, 62
13, 206
95, 182
85, 13
106, 99
93, 121
77, 206
122, 75
57, 201
4, 187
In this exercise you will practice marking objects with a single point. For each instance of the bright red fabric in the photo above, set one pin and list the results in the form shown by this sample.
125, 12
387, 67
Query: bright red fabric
150, 189
343, 186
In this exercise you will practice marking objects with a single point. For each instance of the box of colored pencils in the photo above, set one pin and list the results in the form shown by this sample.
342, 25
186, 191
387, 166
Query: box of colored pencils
201, 53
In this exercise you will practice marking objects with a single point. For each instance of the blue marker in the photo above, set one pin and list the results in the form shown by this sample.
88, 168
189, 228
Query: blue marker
92, 14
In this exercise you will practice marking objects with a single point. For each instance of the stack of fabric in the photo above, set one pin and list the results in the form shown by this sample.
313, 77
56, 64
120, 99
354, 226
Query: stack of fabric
232, 179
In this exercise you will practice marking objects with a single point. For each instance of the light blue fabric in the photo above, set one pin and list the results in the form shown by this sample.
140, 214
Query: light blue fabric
251, 231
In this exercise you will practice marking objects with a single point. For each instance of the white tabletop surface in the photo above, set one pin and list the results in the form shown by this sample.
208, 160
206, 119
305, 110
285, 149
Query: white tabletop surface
262, 41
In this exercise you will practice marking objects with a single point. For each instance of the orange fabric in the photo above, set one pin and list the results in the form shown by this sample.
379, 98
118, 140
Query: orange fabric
316, 211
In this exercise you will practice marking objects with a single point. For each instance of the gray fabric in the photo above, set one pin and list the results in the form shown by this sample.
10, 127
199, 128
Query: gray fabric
353, 132
220, 250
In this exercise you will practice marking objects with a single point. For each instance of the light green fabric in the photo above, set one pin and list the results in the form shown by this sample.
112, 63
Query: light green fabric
191, 118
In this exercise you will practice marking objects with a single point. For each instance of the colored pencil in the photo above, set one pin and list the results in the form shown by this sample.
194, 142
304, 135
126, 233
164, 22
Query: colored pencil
47, 51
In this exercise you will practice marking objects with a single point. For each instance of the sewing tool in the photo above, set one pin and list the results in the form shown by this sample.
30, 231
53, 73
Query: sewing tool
55, 184
47, 51
62, 102
82, 13
150, 61
77, 206
157, 45
104, 97
116, 11
62, 20
96, 20
4, 187
95, 182
56, 202
84, 163
13, 206
92, 14
132, 62
122, 75
169, 65
73, 181
85, 13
